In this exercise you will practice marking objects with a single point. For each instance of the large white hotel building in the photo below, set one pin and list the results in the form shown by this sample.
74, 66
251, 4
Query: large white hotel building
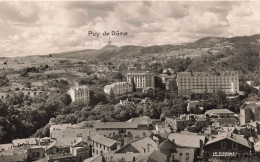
201, 82
142, 80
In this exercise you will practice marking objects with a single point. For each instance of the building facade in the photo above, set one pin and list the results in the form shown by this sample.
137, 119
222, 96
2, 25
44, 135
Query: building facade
227, 145
142, 80
119, 88
79, 93
201, 82
249, 112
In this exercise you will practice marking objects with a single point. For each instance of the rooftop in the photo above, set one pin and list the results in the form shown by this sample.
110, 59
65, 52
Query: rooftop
230, 136
116, 125
251, 105
187, 140
219, 111
154, 156
103, 140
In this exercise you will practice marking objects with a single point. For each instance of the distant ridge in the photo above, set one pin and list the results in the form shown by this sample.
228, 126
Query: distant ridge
110, 51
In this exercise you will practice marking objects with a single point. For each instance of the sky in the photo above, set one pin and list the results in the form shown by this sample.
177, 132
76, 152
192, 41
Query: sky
37, 28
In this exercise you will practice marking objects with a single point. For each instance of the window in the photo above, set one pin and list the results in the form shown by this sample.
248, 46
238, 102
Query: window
93, 150
234, 145
180, 155
187, 156
223, 145
133, 159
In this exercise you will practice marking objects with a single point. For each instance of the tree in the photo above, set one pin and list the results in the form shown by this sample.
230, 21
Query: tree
118, 75
112, 95
133, 83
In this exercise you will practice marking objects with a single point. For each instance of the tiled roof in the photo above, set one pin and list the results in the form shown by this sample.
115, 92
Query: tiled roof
141, 120
103, 140
186, 140
73, 133
167, 145
66, 142
155, 156
227, 135
219, 111
115, 125
139, 143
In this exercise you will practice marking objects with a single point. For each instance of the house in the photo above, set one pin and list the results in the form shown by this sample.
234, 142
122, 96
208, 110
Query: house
177, 124
140, 145
119, 88
36, 152
166, 75
249, 112
221, 113
251, 83
72, 133
145, 101
101, 144
58, 127
126, 102
144, 122
64, 144
121, 157
194, 108
184, 155
79, 93
80, 152
227, 144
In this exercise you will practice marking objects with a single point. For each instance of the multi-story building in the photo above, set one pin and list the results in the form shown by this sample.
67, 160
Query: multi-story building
80, 93
102, 145
119, 88
249, 112
210, 82
142, 80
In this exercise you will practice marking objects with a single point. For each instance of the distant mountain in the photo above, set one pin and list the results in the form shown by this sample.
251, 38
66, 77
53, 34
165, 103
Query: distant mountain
110, 51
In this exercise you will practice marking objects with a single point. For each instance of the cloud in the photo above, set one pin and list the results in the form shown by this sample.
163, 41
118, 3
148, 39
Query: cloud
29, 28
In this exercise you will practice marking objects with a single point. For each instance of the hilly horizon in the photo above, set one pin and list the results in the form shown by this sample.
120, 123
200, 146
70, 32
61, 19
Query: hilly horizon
111, 51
